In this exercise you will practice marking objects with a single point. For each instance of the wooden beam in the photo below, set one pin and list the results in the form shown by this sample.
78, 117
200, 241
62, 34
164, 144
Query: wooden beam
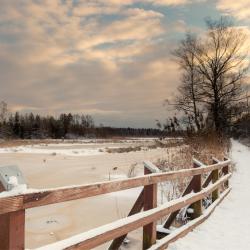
12, 234
150, 202
98, 236
197, 186
12, 225
207, 181
215, 177
135, 209
151, 167
225, 171
52, 196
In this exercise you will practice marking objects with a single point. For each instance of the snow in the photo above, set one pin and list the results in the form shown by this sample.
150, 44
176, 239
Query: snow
150, 166
128, 193
112, 177
161, 229
190, 210
228, 227
13, 181
81, 147
29, 149
72, 148
16, 188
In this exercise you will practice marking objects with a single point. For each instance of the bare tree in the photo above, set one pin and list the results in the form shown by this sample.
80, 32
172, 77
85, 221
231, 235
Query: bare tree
189, 95
221, 61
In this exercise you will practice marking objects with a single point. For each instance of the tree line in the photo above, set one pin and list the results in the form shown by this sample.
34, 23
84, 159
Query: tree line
71, 126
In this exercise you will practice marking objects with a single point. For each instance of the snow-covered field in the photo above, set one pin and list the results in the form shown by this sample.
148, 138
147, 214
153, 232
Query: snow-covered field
75, 148
228, 227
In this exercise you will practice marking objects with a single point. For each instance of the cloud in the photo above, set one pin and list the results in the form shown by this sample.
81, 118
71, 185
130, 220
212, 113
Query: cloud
170, 2
239, 9
108, 58
60, 33
132, 95
174, 2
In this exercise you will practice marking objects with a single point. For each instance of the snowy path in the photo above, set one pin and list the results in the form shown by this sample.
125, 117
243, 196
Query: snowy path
229, 225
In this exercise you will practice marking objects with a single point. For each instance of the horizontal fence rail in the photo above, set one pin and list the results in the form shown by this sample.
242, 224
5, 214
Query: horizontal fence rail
15, 205
57, 195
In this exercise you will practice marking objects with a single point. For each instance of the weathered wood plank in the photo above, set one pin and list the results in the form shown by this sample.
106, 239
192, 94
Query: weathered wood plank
51, 196
12, 233
116, 229
150, 202
197, 186
215, 177
207, 181
12, 226
225, 171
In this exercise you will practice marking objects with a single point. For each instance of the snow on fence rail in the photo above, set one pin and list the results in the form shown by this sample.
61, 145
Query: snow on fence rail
12, 208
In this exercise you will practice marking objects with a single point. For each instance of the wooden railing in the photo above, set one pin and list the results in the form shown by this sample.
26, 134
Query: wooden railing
12, 208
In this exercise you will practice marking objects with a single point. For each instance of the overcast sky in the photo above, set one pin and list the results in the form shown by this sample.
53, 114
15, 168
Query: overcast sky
107, 58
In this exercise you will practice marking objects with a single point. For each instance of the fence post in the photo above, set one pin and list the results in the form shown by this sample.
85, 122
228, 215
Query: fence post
12, 230
150, 201
12, 226
215, 177
225, 171
197, 186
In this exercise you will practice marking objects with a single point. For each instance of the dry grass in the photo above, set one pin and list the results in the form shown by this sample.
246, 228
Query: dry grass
24, 142
156, 144
17, 143
203, 148
124, 149
131, 172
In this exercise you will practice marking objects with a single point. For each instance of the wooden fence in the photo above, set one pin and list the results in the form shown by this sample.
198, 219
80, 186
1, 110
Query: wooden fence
215, 184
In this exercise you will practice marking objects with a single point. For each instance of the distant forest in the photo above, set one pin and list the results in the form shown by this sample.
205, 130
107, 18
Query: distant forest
68, 126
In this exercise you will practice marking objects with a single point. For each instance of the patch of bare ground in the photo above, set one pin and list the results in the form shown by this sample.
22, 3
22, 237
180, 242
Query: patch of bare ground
17, 143
156, 144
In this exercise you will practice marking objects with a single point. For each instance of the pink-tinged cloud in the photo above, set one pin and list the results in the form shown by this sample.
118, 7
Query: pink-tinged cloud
239, 9
110, 58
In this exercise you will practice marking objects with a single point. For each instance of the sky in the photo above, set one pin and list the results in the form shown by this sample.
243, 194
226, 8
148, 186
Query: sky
107, 58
